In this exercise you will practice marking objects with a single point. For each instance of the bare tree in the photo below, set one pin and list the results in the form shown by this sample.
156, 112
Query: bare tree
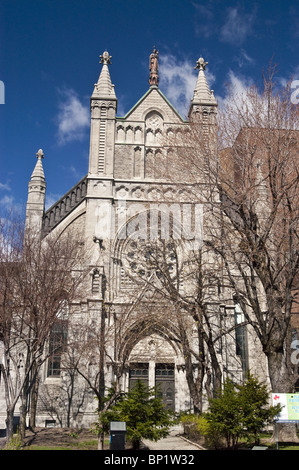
98, 347
182, 283
252, 192
38, 277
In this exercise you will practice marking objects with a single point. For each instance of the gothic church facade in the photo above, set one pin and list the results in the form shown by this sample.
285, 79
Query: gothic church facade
124, 158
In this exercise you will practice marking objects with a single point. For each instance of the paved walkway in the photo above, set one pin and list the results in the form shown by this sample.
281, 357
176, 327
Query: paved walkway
172, 442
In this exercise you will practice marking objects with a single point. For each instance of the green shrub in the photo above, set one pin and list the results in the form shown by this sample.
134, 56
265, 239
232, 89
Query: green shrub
225, 417
15, 443
237, 412
241, 411
211, 435
256, 412
144, 414
189, 422
198, 426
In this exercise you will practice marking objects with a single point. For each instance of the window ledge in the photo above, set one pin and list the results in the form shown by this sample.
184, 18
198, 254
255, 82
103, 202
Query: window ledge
52, 380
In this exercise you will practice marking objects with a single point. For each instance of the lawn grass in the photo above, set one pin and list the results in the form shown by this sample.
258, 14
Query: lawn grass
83, 445
91, 444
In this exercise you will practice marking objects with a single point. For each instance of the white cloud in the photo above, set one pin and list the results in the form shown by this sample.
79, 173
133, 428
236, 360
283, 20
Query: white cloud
73, 118
244, 59
237, 26
285, 81
7, 201
237, 87
5, 186
177, 81
8, 204
206, 11
236, 100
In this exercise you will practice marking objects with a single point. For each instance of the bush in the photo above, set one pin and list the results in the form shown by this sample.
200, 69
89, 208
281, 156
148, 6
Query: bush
189, 422
256, 413
241, 411
15, 443
143, 412
197, 426
224, 416
237, 412
211, 435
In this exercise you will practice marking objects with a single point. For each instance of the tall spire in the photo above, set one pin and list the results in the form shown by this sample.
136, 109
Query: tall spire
154, 68
36, 195
202, 92
104, 88
103, 106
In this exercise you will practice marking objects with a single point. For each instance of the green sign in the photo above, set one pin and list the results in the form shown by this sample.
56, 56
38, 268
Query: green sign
290, 406
293, 406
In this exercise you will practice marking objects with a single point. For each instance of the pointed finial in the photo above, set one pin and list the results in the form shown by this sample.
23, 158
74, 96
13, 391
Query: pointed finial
201, 64
38, 171
105, 58
40, 154
104, 87
202, 93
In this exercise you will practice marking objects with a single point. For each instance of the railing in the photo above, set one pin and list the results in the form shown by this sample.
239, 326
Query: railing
58, 211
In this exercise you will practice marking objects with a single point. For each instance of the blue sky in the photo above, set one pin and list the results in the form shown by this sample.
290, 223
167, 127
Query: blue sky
49, 62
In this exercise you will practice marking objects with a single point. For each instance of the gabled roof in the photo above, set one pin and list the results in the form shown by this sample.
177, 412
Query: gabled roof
149, 91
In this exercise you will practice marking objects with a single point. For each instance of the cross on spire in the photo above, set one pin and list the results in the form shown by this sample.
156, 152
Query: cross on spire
104, 87
201, 64
38, 171
105, 58
202, 94
40, 154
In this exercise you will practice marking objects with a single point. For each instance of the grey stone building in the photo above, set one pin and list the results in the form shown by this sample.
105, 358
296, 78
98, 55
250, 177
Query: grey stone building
129, 168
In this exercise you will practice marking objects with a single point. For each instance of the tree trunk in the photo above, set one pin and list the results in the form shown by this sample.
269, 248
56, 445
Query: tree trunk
195, 387
279, 374
281, 382
33, 403
101, 436
136, 444
286, 432
9, 424
215, 368
23, 414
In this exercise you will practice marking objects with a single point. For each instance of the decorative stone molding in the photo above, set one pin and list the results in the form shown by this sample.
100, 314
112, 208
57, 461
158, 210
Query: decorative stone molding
151, 192
129, 133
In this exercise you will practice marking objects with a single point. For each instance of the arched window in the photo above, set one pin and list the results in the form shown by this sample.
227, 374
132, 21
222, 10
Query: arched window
154, 128
57, 340
240, 333
96, 282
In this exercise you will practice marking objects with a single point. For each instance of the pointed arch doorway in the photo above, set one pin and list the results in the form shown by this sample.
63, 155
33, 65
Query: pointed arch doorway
164, 381
152, 361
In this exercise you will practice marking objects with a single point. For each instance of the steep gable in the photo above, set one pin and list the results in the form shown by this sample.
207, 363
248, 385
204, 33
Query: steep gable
153, 99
